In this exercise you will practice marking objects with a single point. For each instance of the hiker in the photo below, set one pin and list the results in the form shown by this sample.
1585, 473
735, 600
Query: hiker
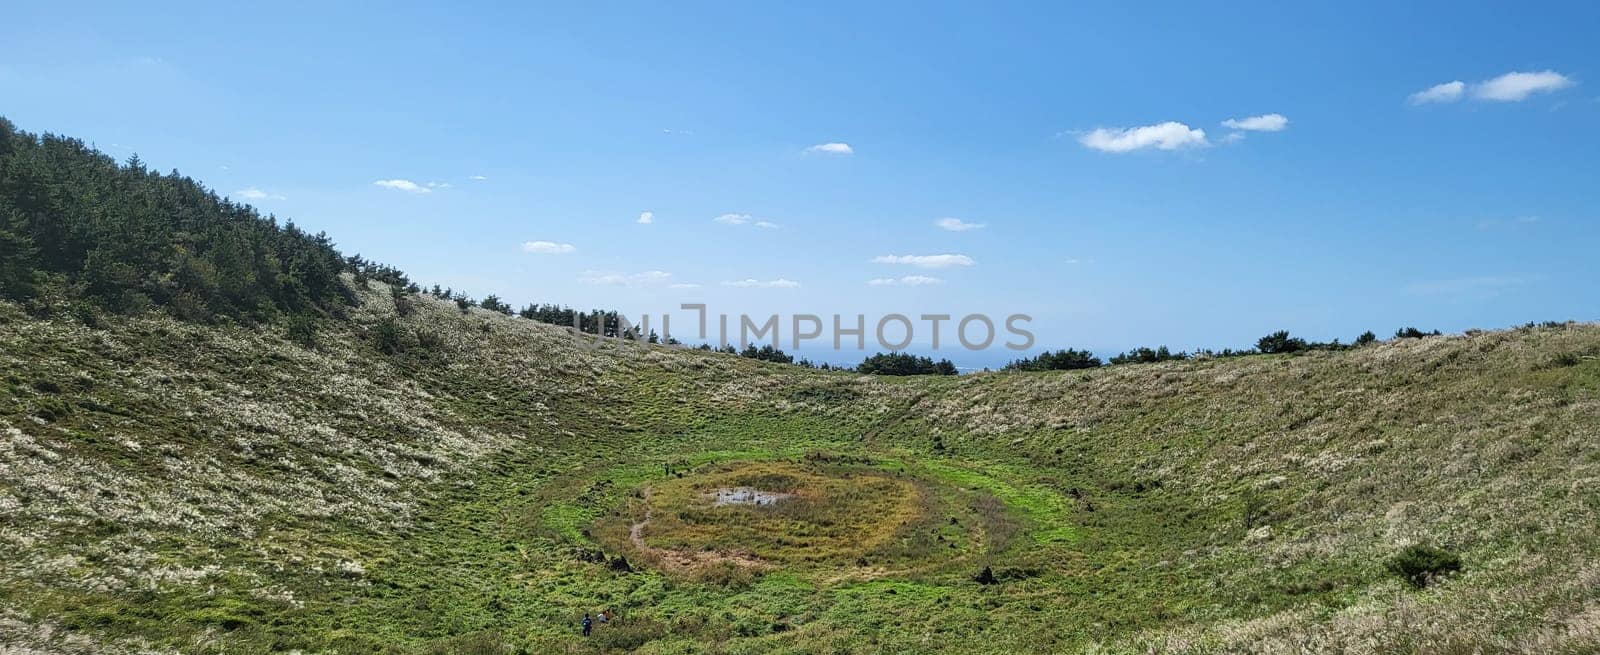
605, 616
588, 624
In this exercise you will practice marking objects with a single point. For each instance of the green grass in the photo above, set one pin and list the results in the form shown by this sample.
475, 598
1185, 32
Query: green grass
212, 489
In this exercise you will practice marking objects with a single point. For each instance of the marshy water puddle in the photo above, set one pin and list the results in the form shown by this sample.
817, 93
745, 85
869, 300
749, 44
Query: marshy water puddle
746, 496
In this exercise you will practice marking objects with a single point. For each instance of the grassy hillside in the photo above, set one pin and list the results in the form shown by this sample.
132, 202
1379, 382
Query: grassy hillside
173, 487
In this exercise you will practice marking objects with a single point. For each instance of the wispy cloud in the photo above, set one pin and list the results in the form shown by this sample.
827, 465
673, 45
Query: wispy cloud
608, 279
1516, 87
1446, 92
646, 218
252, 193
1511, 87
478, 178
831, 148
925, 261
745, 219
957, 225
403, 185
1262, 123
547, 248
752, 283
1170, 135
907, 280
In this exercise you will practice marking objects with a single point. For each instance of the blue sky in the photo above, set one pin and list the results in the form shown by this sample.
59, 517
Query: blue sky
1354, 204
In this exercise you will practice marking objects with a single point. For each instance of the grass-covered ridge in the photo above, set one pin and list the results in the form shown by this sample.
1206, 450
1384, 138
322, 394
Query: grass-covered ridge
173, 487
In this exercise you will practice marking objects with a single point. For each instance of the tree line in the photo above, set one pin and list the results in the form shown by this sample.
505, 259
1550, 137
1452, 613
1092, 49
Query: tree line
1279, 342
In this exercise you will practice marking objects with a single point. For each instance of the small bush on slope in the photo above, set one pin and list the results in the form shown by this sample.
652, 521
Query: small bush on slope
1422, 564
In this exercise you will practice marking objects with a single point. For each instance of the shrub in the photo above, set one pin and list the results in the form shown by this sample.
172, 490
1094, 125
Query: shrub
403, 305
1060, 360
429, 340
1253, 511
493, 303
1148, 356
985, 577
1366, 338
477, 643
726, 575
52, 410
1280, 342
626, 635
1420, 565
765, 353
1566, 359
896, 363
302, 330
1413, 333
388, 338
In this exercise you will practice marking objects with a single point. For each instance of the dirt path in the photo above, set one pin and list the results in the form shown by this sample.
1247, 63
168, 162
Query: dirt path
636, 531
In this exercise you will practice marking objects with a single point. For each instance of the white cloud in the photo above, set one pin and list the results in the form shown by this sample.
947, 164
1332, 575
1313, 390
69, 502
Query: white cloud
646, 218
684, 285
645, 279
957, 225
1170, 135
252, 193
438, 185
832, 148
1262, 123
1511, 87
1447, 92
403, 185
548, 248
925, 261
752, 283
744, 219
478, 178
1233, 137
1516, 87
908, 280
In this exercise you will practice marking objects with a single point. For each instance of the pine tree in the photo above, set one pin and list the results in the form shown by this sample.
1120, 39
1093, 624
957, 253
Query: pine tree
1280, 342
16, 255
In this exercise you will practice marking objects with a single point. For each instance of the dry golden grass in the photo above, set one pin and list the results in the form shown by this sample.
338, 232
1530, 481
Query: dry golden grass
167, 487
